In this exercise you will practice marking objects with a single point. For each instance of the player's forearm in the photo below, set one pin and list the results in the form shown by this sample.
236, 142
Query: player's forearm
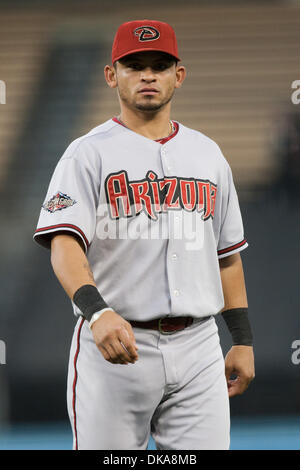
70, 264
235, 311
233, 282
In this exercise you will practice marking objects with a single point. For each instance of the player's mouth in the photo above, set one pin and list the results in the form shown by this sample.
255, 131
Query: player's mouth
148, 91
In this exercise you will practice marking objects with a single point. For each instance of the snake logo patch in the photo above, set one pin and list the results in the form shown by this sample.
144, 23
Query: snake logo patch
58, 202
146, 33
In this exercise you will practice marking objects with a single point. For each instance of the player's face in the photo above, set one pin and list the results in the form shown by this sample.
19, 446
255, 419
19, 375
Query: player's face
146, 81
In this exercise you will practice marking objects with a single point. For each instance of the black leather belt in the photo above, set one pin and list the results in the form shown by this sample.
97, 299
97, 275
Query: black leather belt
165, 325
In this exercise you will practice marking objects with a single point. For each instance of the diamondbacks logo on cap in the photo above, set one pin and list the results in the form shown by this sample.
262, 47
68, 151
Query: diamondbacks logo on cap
146, 33
58, 202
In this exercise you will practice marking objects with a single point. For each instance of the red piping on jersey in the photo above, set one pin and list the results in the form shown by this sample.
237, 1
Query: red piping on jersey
233, 247
51, 227
160, 141
169, 137
75, 383
115, 119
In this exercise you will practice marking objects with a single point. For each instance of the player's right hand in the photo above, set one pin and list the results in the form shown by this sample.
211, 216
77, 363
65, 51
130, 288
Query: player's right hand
115, 339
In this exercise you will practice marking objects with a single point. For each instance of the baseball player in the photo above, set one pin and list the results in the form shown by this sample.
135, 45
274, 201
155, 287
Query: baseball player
143, 221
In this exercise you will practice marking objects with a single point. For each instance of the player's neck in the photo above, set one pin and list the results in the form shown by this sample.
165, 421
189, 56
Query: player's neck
153, 127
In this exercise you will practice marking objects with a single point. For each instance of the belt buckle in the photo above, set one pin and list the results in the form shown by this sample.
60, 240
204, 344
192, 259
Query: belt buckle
166, 332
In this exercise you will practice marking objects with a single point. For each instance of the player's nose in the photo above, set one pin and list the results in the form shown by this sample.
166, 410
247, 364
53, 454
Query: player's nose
147, 74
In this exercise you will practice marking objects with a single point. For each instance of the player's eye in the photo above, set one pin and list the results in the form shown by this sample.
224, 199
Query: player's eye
135, 66
157, 67
161, 66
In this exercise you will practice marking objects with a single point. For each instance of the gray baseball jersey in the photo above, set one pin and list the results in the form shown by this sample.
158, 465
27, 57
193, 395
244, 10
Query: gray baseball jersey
154, 217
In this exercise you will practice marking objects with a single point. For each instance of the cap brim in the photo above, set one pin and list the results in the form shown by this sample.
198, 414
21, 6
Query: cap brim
144, 50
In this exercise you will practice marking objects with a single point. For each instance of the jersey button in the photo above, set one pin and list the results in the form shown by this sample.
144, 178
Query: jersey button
174, 256
176, 292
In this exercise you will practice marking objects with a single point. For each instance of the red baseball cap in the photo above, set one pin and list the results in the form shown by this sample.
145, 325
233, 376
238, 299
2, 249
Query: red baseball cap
144, 35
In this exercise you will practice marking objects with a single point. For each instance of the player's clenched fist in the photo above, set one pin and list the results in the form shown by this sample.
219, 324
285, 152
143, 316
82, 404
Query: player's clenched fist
239, 361
115, 339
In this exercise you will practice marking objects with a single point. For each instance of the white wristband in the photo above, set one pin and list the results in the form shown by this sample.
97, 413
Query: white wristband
97, 315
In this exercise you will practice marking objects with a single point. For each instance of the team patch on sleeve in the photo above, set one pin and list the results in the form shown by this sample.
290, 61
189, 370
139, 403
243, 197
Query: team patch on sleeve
58, 202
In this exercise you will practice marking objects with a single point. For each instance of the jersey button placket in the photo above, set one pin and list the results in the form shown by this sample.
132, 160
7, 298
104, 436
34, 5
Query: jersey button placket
171, 255
165, 161
173, 264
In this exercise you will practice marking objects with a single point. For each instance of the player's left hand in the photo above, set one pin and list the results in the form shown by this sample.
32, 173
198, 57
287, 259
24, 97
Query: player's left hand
239, 361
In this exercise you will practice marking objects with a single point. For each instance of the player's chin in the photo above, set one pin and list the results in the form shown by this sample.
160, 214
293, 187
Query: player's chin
148, 105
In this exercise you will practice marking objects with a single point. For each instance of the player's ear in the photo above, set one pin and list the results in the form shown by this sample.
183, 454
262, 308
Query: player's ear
180, 75
110, 74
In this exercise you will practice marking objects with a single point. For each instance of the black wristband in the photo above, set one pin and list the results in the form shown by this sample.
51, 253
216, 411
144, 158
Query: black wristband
239, 326
88, 299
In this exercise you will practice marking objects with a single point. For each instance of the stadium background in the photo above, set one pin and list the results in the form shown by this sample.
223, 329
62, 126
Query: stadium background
242, 58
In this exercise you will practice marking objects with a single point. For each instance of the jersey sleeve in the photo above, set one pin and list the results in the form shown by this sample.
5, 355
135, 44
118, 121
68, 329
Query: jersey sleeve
231, 238
71, 200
